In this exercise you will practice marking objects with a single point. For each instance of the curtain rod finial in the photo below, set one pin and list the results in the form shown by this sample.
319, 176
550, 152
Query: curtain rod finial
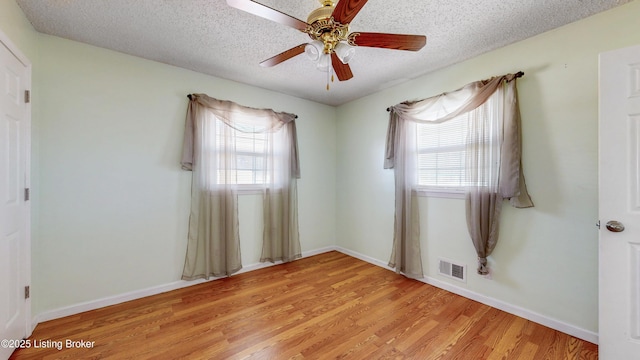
189, 96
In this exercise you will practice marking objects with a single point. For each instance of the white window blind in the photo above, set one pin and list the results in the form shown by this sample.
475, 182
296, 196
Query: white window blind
441, 155
442, 151
250, 148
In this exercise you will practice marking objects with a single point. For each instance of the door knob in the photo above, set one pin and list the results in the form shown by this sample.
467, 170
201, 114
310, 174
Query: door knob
615, 226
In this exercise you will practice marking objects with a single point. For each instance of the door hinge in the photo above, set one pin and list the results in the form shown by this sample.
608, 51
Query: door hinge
598, 224
27, 194
26, 292
27, 96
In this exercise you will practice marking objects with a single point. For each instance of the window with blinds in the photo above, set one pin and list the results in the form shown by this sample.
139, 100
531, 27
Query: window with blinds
249, 167
441, 156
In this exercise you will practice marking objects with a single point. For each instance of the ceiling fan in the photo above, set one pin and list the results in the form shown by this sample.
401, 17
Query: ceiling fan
332, 45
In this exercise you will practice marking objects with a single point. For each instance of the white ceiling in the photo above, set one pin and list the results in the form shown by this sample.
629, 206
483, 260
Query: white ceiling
210, 37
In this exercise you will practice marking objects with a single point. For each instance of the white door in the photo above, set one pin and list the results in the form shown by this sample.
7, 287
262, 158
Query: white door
14, 209
619, 197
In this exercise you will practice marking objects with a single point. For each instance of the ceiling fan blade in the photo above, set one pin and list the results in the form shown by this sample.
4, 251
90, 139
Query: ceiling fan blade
343, 71
346, 10
268, 13
390, 41
284, 56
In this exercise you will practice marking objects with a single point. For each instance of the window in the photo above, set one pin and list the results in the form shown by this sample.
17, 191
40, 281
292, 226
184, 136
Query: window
441, 156
442, 151
248, 166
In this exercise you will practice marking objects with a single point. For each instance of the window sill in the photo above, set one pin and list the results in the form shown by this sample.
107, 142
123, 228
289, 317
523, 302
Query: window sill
441, 193
250, 189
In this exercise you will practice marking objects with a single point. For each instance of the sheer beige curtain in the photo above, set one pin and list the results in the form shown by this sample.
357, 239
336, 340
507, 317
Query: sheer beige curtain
401, 156
493, 164
280, 199
210, 151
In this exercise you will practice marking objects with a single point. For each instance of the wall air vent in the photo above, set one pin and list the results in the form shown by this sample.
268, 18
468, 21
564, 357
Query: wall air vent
452, 270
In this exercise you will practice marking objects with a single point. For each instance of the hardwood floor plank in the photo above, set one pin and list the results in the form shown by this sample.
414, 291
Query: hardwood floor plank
510, 339
329, 306
528, 352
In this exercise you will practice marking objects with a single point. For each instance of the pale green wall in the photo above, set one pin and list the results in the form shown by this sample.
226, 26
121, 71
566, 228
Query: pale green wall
546, 260
114, 202
15, 25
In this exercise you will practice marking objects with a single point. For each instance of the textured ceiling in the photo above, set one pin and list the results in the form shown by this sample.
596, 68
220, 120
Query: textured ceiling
210, 37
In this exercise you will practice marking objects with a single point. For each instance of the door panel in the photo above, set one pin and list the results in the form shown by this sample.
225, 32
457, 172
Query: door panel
14, 139
619, 200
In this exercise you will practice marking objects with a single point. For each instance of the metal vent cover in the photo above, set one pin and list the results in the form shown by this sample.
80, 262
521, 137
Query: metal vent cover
452, 270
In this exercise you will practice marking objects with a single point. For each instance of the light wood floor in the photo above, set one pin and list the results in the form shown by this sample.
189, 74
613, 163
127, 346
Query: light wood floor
329, 306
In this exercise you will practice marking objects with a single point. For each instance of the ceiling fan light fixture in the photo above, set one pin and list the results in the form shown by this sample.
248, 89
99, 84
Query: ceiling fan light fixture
314, 49
324, 63
345, 52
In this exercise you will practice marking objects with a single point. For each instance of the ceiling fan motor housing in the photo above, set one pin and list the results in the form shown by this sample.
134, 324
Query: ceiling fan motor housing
324, 28
323, 12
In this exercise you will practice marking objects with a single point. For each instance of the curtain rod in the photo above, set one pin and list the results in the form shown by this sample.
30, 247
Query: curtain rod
189, 96
517, 75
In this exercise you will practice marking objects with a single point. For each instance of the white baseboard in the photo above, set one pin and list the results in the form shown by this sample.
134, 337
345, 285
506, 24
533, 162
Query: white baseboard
154, 290
498, 304
555, 324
